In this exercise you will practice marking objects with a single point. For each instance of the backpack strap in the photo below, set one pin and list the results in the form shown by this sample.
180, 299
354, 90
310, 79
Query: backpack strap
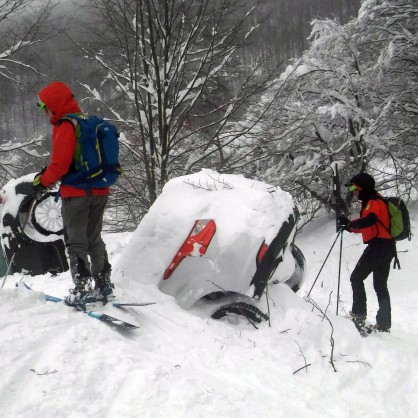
72, 117
386, 229
387, 208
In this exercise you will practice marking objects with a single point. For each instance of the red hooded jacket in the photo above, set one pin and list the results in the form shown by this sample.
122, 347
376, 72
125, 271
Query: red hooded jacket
59, 99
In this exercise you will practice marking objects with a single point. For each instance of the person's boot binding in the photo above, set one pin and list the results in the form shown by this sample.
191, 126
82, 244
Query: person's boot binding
83, 291
103, 287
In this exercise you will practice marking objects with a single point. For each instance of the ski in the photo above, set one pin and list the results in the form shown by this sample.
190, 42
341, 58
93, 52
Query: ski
123, 304
117, 304
110, 320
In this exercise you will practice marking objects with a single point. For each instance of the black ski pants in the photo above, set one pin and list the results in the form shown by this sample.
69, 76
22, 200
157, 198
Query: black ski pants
83, 222
375, 259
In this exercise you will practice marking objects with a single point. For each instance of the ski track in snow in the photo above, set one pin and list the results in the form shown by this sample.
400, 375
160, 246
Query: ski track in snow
57, 362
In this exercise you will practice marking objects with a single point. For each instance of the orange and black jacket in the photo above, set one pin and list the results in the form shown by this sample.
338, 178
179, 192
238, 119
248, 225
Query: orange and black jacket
59, 99
374, 220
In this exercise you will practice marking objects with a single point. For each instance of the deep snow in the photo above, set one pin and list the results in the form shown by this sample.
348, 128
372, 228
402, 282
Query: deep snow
57, 362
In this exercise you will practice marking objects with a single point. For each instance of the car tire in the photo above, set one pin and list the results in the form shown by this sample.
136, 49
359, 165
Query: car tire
251, 312
46, 215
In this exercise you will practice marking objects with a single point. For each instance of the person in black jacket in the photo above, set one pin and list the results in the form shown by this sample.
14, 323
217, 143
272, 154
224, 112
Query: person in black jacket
373, 224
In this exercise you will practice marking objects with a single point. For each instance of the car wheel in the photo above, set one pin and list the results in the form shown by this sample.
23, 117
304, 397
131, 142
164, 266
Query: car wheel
250, 312
46, 215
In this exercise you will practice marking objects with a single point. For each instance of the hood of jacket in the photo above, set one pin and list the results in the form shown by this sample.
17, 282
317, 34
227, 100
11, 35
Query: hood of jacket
363, 180
59, 99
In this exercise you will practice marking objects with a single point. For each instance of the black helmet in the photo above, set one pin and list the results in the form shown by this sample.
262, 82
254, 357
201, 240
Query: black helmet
363, 180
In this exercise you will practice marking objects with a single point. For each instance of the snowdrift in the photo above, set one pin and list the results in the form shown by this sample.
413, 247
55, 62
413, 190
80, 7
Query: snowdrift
57, 362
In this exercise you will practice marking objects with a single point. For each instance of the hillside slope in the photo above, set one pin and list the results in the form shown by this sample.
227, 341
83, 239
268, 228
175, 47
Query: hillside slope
57, 362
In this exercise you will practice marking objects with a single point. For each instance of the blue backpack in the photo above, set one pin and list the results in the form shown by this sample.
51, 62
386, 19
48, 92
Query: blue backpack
96, 159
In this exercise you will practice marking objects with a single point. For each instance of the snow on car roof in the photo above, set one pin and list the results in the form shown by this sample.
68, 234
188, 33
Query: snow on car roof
236, 204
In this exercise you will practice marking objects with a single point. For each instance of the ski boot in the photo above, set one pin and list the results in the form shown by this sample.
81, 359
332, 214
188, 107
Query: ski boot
360, 323
103, 287
83, 291
376, 328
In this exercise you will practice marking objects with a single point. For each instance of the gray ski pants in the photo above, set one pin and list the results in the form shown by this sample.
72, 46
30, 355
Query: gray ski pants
83, 222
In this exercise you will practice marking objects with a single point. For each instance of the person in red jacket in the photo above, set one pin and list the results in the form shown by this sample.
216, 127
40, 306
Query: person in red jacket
373, 225
82, 209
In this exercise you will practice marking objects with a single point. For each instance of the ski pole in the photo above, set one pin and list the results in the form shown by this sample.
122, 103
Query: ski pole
18, 243
323, 264
339, 269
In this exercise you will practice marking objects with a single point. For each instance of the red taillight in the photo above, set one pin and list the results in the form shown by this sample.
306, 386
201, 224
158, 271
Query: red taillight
261, 253
195, 244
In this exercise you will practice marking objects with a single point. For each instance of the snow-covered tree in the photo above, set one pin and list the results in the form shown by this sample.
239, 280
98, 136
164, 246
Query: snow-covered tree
388, 33
350, 99
23, 24
172, 80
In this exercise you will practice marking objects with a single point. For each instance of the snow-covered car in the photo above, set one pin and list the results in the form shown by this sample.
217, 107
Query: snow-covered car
31, 229
210, 234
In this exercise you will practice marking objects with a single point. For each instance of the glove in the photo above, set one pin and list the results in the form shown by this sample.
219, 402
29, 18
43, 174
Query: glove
344, 223
38, 187
37, 181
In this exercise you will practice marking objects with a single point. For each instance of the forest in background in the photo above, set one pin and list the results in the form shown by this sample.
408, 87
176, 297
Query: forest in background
194, 84
283, 32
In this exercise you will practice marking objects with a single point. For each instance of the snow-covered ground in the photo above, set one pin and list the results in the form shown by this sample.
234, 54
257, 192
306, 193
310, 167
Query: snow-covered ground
57, 362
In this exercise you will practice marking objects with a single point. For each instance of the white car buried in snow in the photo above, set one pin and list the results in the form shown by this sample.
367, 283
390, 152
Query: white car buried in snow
209, 235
